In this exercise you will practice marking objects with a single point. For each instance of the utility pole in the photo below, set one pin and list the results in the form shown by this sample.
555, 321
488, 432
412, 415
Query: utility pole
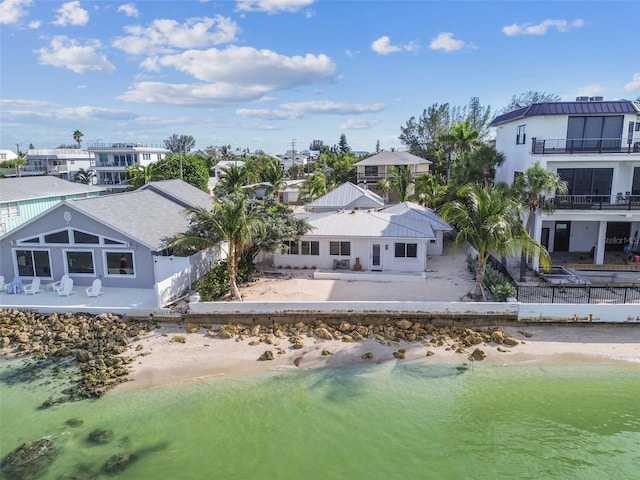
181, 176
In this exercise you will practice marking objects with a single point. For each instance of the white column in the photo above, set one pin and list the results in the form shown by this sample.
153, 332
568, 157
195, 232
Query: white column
598, 258
537, 236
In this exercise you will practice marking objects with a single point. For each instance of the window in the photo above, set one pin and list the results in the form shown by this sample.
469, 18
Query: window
291, 247
521, 135
340, 248
57, 237
80, 262
159, 156
103, 158
371, 170
82, 237
9, 210
637, 126
33, 263
119, 263
635, 185
595, 133
433, 241
108, 241
146, 156
587, 181
406, 250
310, 247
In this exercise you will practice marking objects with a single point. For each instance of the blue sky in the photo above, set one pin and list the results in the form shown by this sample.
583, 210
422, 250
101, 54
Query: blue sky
259, 74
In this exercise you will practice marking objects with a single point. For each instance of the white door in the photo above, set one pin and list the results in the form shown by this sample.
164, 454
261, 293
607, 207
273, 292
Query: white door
376, 256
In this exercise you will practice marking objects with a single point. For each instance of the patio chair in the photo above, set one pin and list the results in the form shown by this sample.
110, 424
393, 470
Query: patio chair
58, 285
15, 286
33, 287
67, 288
95, 289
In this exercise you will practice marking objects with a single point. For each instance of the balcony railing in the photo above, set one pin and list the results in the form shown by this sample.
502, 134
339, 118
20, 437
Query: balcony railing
595, 202
585, 145
124, 145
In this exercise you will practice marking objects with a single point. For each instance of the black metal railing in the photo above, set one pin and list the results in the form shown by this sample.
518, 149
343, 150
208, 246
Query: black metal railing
500, 267
618, 201
583, 145
578, 294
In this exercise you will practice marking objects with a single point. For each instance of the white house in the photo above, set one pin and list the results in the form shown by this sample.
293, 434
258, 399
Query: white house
371, 170
61, 162
7, 155
594, 146
348, 197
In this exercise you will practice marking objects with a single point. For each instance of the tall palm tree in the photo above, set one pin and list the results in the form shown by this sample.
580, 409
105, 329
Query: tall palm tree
488, 220
460, 140
529, 189
139, 175
229, 221
384, 187
232, 178
402, 182
428, 191
77, 136
273, 174
83, 176
314, 187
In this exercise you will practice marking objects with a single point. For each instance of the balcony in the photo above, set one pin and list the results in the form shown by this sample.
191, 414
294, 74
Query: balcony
124, 145
594, 202
565, 146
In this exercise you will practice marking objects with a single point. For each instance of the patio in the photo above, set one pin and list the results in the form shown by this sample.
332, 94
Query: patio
123, 301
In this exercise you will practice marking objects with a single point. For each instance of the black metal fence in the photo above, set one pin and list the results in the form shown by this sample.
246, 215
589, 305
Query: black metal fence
578, 294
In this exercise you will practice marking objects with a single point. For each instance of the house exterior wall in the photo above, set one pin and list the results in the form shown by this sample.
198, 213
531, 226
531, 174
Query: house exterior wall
360, 248
55, 220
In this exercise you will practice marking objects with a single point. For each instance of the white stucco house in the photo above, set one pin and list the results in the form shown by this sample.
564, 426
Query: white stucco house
594, 146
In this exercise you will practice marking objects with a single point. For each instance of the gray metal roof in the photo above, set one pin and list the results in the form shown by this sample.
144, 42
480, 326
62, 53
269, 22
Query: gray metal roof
420, 213
181, 192
144, 215
42, 186
393, 158
569, 108
347, 196
365, 223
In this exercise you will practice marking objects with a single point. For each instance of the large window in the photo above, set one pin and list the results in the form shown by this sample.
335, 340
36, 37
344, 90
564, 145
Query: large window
33, 263
635, 186
310, 247
119, 263
595, 133
371, 170
521, 135
80, 262
290, 247
340, 248
587, 181
406, 250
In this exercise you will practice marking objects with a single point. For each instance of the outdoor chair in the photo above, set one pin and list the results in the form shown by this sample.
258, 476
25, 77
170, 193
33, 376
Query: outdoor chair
33, 287
67, 288
15, 286
95, 289
58, 285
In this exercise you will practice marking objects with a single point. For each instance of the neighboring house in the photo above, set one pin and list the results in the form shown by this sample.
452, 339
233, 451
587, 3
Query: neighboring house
218, 171
112, 160
61, 162
594, 146
377, 167
347, 196
289, 193
122, 239
22, 198
291, 158
396, 238
4, 156
7, 155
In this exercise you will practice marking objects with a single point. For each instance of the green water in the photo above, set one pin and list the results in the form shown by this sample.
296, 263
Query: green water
395, 420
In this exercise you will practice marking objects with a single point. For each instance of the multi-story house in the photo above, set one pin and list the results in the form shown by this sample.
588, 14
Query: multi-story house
382, 165
594, 146
61, 162
113, 159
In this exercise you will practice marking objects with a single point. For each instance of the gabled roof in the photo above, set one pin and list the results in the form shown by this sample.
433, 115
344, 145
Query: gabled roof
41, 186
367, 224
181, 192
144, 215
420, 213
569, 108
348, 196
393, 158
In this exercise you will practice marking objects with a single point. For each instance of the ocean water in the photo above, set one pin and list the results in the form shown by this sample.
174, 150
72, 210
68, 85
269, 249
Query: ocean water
375, 421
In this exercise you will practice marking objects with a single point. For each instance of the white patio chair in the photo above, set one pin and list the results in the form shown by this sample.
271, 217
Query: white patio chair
67, 288
58, 285
95, 289
33, 287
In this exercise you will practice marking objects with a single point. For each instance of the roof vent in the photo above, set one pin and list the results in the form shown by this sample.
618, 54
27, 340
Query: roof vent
582, 99
596, 99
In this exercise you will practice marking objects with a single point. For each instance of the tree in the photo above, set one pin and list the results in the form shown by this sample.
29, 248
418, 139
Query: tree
83, 176
16, 163
139, 175
421, 135
273, 176
529, 188
179, 143
77, 136
477, 167
343, 146
529, 98
228, 221
402, 182
460, 140
313, 187
384, 188
377, 146
232, 179
488, 220
428, 191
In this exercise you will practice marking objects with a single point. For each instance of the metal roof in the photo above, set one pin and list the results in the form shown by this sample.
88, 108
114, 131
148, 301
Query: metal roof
345, 196
182, 192
18, 189
393, 158
570, 108
418, 212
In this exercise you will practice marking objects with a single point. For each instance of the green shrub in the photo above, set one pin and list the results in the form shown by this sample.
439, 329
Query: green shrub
215, 283
502, 291
499, 286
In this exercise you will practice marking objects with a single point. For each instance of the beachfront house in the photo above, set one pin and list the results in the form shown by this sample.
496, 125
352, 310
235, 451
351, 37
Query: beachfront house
381, 166
60, 162
594, 146
23, 198
122, 239
397, 238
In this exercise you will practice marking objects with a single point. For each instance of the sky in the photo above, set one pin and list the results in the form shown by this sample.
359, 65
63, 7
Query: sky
269, 74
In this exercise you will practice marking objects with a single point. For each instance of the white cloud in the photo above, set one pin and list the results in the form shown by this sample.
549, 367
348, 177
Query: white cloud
447, 43
166, 35
272, 6
589, 91
39, 109
12, 10
95, 113
34, 25
71, 13
23, 102
66, 53
129, 9
383, 46
541, 28
290, 111
358, 124
634, 84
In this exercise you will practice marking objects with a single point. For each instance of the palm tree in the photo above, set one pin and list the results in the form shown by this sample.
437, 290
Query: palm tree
313, 187
384, 187
460, 140
77, 136
402, 182
229, 221
83, 176
428, 192
232, 178
273, 174
529, 189
139, 175
488, 220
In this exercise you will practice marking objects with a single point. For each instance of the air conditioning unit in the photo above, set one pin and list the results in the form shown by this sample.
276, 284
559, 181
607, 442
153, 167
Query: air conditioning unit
582, 99
596, 99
